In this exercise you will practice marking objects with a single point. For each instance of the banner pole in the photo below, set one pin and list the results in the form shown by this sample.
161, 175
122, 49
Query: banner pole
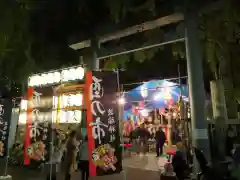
120, 118
55, 95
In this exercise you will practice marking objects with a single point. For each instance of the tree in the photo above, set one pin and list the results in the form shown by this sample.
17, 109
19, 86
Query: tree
221, 42
220, 36
22, 50
15, 43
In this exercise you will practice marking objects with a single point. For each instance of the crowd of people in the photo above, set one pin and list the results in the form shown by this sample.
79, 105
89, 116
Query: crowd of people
72, 157
73, 154
139, 138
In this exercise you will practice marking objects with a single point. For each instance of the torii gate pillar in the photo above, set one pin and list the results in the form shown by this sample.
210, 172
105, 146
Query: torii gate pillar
196, 84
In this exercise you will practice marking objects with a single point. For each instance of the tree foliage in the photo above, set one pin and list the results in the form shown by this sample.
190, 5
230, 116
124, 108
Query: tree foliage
45, 46
143, 10
220, 34
24, 50
15, 42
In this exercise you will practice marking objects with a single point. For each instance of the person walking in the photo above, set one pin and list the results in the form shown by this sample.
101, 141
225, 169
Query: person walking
160, 140
70, 156
143, 136
133, 139
83, 165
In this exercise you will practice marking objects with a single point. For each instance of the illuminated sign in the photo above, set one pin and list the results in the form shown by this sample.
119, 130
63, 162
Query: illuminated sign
75, 73
72, 117
68, 100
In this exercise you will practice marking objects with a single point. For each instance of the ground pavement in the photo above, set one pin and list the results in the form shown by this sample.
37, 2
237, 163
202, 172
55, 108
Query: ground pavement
141, 168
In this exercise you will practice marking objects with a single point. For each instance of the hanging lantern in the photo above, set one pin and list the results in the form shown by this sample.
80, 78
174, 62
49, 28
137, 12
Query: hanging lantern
161, 111
141, 104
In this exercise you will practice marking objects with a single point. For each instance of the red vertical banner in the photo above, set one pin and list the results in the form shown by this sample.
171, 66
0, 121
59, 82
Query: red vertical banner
91, 141
28, 124
106, 156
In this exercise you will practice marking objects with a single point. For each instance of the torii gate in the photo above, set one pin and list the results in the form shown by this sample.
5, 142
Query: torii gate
194, 61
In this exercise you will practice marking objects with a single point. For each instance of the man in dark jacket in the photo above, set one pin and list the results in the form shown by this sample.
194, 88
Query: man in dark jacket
160, 140
142, 138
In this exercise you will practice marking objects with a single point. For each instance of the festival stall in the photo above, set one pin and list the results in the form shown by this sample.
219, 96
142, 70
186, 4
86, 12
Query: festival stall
54, 105
50, 110
155, 103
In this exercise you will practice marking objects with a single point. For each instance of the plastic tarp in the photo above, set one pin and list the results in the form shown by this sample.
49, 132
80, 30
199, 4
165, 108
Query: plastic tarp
155, 94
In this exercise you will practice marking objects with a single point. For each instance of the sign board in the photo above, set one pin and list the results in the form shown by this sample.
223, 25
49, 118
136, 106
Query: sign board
38, 129
103, 126
55, 77
5, 119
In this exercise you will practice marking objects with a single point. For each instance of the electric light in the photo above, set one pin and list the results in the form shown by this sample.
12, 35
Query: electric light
174, 114
121, 101
144, 112
157, 96
68, 100
23, 104
144, 92
73, 117
57, 76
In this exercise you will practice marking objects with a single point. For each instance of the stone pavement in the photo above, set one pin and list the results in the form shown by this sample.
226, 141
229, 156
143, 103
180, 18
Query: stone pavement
149, 162
128, 174
140, 168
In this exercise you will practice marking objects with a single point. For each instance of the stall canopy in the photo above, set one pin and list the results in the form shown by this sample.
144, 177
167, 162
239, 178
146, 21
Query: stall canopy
155, 94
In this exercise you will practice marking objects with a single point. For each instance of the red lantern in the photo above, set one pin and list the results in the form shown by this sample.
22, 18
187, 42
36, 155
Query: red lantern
161, 110
141, 104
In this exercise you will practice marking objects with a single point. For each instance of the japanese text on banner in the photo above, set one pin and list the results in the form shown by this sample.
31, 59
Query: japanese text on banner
97, 109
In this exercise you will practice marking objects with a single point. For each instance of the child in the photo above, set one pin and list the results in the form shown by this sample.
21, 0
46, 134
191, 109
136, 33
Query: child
83, 159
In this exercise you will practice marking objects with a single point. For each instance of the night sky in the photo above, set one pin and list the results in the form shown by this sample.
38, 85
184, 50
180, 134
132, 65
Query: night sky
57, 20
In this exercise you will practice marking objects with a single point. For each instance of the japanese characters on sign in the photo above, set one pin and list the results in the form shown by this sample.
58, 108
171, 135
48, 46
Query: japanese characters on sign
98, 110
106, 154
66, 101
111, 124
5, 117
64, 75
40, 126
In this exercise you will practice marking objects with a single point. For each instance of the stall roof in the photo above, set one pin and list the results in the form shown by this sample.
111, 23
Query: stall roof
156, 94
